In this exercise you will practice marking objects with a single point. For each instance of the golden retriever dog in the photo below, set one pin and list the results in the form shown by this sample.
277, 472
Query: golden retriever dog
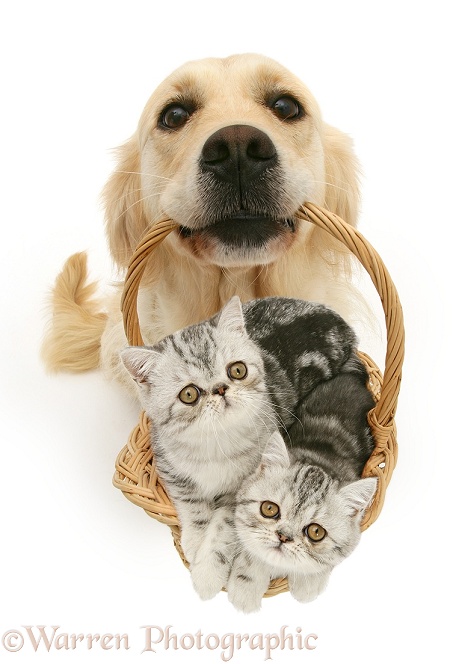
229, 149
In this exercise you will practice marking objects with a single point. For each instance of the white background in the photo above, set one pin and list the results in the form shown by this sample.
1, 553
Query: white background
75, 552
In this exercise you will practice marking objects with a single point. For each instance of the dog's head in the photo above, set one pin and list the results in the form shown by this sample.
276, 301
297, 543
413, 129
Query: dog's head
229, 149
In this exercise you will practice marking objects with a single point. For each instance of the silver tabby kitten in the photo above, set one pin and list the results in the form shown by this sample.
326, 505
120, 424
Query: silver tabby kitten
299, 514
212, 409
204, 390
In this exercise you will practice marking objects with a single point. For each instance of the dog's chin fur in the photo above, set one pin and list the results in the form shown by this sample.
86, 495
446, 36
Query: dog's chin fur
231, 242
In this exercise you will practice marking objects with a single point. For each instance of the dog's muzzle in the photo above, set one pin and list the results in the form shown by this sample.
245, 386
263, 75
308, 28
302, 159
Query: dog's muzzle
243, 208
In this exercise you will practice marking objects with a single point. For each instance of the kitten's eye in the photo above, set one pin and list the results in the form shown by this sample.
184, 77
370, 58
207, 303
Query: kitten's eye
174, 117
286, 108
269, 510
237, 370
189, 394
315, 532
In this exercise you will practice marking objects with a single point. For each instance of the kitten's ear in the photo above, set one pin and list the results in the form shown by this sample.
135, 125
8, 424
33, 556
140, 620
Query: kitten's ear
139, 362
358, 495
275, 453
231, 316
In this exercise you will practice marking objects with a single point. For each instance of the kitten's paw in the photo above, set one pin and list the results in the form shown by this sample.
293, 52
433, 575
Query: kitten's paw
248, 582
190, 547
244, 595
205, 585
209, 576
304, 595
307, 589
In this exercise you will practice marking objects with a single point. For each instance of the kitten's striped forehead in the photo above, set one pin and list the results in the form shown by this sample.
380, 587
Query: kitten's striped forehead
199, 347
196, 346
309, 484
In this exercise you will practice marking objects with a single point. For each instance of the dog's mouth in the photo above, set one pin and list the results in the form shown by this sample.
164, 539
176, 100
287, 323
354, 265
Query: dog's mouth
242, 230
240, 239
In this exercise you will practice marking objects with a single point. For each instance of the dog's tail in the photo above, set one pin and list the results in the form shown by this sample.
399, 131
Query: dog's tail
73, 339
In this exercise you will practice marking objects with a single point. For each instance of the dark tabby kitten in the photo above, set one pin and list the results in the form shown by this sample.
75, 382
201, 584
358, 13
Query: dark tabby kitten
212, 391
299, 514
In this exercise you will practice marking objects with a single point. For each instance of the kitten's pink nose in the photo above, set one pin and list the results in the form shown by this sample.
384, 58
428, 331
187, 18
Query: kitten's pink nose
283, 537
220, 389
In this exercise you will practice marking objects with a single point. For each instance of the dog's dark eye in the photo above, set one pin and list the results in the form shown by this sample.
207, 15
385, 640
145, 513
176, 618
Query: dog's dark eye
286, 108
174, 117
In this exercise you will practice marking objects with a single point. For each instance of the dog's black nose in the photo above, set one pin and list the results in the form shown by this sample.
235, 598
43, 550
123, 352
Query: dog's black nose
238, 154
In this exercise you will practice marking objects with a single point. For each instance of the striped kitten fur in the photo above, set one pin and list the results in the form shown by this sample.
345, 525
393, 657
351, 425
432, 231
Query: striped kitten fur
215, 392
299, 514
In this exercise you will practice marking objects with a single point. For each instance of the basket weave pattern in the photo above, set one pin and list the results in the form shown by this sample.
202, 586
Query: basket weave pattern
136, 474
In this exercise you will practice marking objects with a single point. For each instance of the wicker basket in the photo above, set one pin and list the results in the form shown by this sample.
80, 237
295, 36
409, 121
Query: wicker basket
135, 472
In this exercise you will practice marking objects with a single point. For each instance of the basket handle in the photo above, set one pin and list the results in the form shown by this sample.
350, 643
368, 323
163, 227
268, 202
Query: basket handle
384, 411
133, 278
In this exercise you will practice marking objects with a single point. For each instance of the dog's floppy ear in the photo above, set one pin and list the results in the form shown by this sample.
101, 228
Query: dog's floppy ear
342, 175
125, 220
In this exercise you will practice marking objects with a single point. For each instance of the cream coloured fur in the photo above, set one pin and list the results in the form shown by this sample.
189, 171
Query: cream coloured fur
157, 173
